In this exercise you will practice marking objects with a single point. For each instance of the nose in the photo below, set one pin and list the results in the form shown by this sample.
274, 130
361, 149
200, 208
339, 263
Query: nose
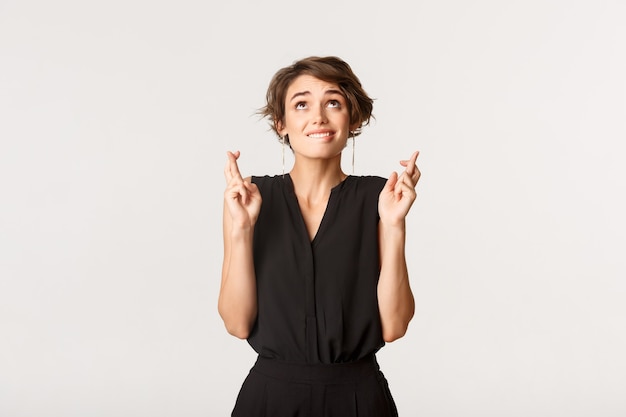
319, 116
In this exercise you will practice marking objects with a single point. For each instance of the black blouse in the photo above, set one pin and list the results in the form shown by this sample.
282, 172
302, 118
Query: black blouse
317, 299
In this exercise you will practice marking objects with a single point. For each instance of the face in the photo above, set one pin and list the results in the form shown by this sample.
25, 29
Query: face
317, 119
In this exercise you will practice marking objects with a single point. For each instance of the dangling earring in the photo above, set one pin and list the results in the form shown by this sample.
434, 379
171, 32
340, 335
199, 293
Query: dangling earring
282, 139
352, 133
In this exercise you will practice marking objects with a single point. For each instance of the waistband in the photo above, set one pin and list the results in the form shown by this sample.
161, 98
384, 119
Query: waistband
348, 372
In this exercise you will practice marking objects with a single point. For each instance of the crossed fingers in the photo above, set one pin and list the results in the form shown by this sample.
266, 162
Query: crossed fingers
411, 173
236, 187
231, 170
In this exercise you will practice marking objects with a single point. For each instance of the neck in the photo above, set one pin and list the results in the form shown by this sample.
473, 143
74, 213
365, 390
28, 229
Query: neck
313, 179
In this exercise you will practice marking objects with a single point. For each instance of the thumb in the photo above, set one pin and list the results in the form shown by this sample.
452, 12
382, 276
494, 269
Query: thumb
250, 186
391, 182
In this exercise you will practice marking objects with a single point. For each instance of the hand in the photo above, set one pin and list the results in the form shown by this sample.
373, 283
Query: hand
398, 195
242, 198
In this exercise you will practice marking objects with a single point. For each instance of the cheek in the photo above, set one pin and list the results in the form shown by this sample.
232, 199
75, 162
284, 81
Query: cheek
292, 119
344, 118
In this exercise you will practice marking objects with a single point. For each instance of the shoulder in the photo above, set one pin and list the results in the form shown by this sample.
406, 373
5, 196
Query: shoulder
372, 179
370, 183
265, 179
362, 188
269, 183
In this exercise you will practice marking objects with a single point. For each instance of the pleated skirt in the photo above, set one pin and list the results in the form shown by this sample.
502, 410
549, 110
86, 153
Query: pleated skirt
280, 389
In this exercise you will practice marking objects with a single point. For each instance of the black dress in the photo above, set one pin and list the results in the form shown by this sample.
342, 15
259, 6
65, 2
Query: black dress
318, 325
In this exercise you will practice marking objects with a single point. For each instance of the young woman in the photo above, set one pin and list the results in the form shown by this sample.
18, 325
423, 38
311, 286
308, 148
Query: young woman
314, 273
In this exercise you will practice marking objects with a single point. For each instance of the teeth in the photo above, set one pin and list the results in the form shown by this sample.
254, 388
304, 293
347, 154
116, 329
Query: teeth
319, 135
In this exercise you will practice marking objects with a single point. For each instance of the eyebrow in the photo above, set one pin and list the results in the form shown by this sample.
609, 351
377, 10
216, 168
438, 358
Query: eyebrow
326, 93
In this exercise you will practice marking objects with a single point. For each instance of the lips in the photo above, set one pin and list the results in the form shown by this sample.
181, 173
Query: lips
320, 134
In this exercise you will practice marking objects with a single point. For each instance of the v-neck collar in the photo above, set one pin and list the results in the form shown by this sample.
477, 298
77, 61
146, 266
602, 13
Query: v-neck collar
329, 205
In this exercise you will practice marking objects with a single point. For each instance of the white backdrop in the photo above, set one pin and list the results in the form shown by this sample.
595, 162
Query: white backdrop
114, 121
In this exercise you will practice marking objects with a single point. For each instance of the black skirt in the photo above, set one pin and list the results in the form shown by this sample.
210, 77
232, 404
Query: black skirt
280, 389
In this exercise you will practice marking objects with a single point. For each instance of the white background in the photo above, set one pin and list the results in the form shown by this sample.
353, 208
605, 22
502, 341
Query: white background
114, 122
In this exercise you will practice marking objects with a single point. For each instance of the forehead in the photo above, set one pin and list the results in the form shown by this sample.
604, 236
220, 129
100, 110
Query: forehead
311, 84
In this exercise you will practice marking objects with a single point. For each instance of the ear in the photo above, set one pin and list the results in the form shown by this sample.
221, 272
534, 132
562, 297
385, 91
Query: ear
280, 127
354, 127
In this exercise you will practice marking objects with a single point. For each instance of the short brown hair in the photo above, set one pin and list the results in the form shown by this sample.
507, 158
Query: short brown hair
330, 69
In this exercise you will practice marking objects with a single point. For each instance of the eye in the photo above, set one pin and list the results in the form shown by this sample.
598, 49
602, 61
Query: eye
300, 105
334, 103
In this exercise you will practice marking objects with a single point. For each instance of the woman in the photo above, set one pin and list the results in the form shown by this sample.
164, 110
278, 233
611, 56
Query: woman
314, 272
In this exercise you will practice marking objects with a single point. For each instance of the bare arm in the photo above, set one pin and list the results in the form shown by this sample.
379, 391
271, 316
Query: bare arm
395, 298
237, 303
